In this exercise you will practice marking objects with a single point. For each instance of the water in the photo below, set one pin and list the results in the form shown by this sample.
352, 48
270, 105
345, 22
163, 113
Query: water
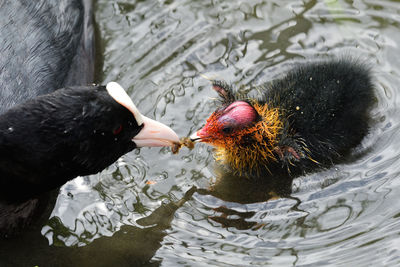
136, 212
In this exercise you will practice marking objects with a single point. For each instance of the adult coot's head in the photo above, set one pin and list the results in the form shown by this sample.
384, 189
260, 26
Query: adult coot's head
73, 131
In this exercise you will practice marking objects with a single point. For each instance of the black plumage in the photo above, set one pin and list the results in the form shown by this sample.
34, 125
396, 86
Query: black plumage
53, 126
46, 45
309, 118
324, 108
51, 139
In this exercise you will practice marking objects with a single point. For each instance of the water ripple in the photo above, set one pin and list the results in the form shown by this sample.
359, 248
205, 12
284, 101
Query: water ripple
343, 216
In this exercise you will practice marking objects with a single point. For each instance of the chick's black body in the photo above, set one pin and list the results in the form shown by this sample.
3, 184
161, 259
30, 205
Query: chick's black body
324, 108
53, 138
309, 118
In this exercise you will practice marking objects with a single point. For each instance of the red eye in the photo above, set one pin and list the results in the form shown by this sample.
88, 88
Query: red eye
117, 130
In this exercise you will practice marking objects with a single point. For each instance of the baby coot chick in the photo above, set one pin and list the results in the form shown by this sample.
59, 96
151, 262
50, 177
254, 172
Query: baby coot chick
310, 118
48, 140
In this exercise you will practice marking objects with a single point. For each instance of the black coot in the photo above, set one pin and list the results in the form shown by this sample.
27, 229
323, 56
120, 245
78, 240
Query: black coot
73, 131
49, 135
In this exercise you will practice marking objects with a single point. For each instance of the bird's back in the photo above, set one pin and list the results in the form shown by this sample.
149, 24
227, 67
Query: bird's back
325, 103
40, 43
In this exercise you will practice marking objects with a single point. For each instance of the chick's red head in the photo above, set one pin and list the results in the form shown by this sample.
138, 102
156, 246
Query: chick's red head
244, 134
226, 125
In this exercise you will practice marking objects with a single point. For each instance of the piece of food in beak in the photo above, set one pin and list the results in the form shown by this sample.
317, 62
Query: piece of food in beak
185, 141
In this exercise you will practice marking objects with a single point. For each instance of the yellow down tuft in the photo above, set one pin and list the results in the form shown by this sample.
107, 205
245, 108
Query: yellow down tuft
252, 147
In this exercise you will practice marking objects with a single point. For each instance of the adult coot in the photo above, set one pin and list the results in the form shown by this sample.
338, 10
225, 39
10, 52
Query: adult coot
309, 118
49, 135
73, 131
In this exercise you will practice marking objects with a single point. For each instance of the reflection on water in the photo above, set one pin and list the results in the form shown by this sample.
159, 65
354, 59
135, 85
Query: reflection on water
234, 187
343, 216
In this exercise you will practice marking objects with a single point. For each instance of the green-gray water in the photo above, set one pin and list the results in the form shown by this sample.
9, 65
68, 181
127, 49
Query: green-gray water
344, 216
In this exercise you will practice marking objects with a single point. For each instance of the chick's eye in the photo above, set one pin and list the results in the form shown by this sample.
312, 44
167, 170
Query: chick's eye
117, 130
227, 129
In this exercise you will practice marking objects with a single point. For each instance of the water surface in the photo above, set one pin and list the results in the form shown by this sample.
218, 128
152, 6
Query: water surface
136, 212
